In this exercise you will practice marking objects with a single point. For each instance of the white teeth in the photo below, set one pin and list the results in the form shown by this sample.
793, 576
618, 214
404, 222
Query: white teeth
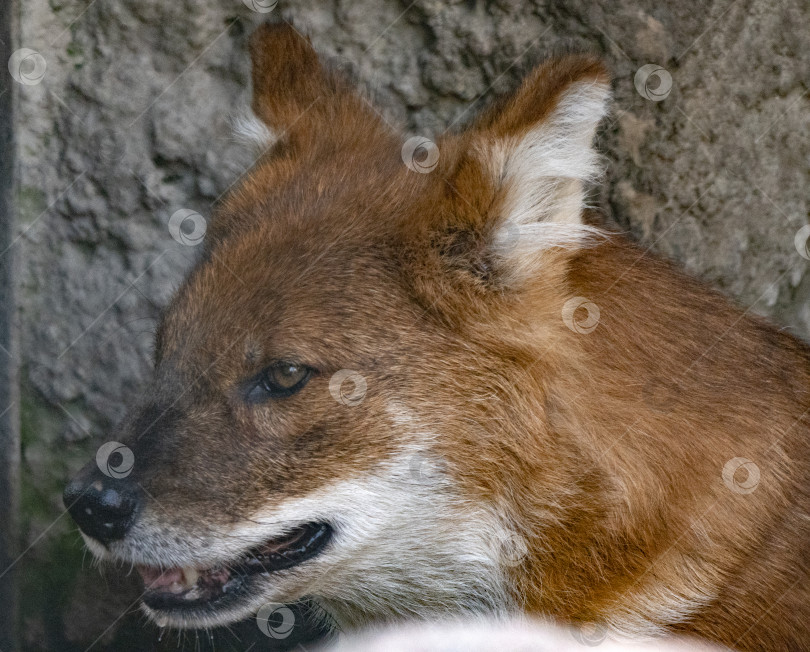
176, 587
190, 575
193, 594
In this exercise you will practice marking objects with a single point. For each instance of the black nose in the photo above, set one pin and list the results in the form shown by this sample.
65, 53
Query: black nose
103, 507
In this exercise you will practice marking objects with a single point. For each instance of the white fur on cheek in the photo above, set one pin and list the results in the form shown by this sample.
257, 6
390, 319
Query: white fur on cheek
402, 546
405, 544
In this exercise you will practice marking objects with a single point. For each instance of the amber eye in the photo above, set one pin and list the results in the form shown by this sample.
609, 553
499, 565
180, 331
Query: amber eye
284, 376
278, 381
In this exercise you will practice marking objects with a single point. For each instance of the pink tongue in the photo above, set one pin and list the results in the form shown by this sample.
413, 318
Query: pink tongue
154, 578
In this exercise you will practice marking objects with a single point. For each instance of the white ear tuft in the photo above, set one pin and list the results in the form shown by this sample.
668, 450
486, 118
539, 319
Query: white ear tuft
252, 131
541, 174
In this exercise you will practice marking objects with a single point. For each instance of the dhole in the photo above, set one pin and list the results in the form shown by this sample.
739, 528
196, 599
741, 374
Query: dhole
427, 392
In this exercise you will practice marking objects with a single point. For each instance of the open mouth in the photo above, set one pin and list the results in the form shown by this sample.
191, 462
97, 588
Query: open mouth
189, 587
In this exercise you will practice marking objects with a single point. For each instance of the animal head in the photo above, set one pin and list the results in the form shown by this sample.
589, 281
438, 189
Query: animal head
357, 362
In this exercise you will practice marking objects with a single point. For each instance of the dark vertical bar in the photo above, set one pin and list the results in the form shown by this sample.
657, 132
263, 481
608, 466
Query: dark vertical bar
9, 403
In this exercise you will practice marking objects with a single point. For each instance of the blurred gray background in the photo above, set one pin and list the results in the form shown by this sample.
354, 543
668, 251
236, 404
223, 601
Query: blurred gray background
130, 121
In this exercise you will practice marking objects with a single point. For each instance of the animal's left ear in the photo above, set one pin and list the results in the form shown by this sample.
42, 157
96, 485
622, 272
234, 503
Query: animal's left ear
525, 164
299, 98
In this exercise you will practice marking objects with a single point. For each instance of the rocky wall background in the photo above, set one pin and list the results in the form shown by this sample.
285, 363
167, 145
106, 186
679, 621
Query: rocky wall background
123, 113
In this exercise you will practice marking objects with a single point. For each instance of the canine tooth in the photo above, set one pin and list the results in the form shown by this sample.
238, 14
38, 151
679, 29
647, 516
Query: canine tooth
190, 574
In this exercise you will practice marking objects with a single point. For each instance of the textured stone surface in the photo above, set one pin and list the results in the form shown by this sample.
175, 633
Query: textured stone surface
130, 124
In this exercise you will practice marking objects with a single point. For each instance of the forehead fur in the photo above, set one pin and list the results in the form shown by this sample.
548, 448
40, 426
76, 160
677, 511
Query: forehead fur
330, 218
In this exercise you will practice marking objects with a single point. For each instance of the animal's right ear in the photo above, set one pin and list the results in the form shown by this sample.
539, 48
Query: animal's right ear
510, 213
295, 96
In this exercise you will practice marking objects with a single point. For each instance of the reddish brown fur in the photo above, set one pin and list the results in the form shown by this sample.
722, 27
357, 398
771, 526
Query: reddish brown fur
606, 449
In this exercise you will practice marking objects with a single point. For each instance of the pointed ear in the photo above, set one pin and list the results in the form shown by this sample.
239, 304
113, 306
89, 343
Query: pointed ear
287, 76
295, 95
533, 153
